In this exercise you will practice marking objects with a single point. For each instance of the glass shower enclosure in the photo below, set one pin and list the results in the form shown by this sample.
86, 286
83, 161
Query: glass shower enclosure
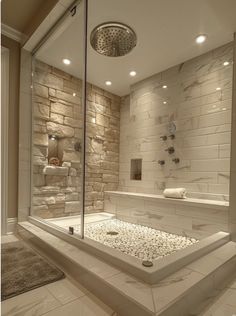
58, 129
113, 125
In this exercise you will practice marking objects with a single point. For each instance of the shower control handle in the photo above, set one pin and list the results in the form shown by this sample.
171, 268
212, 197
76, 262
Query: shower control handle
175, 160
164, 137
170, 150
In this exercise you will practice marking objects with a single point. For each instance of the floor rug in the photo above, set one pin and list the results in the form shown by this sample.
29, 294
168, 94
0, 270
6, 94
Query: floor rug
24, 270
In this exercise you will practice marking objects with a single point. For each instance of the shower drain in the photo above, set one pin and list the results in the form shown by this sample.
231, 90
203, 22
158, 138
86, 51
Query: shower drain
147, 263
112, 233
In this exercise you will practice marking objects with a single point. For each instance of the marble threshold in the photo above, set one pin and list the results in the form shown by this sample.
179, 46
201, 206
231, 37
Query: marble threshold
130, 264
219, 205
181, 293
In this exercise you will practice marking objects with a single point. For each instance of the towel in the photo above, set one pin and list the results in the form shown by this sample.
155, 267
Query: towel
177, 193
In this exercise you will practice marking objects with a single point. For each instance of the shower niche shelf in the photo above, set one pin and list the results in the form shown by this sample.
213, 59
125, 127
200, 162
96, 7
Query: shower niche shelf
136, 169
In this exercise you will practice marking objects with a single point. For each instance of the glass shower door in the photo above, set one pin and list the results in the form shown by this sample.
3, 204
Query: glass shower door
58, 123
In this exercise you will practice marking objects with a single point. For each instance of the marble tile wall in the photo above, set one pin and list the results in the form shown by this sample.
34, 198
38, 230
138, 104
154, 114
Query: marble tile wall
197, 101
58, 111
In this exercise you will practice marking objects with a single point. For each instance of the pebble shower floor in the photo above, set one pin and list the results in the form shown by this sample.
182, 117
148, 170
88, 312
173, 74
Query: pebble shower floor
136, 240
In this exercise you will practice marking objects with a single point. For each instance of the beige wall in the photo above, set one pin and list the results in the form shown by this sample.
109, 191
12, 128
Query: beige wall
14, 48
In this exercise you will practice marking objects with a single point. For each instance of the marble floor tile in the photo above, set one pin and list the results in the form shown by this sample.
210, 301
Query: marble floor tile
170, 288
138, 290
84, 306
65, 291
32, 303
223, 305
8, 238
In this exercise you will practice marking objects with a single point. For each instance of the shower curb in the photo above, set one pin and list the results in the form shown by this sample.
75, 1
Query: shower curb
136, 298
159, 270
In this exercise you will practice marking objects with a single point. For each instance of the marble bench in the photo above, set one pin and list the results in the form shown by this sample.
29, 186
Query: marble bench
197, 218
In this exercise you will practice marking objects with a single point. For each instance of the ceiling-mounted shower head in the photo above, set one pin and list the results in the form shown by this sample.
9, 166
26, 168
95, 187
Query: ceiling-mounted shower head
113, 39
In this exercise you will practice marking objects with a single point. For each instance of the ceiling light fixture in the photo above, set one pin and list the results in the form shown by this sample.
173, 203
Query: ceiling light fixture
133, 73
164, 87
226, 63
218, 89
200, 39
66, 61
74, 94
164, 102
108, 83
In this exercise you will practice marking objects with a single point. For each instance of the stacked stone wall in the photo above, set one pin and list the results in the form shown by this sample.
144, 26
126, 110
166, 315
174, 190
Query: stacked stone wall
57, 112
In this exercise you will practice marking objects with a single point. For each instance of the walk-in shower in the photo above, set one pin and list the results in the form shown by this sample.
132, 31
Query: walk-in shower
163, 121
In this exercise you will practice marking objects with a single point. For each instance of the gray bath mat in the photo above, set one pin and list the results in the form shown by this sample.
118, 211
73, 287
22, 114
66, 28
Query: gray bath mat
24, 270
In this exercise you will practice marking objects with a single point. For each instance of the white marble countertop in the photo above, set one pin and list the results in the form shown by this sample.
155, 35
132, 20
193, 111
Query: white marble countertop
224, 205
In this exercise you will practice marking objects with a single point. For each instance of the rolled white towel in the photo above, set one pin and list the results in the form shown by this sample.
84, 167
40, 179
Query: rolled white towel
176, 193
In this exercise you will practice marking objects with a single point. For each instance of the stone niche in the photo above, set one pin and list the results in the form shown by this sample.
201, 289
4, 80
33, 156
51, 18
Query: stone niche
58, 133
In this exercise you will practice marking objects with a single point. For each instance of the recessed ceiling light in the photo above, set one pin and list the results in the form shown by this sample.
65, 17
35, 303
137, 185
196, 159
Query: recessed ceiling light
133, 73
164, 102
226, 63
74, 94
218, 89
164, 87
201, 39
108, 83
66, 61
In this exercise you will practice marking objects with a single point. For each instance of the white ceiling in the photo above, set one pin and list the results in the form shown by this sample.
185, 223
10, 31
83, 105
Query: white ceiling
165, 30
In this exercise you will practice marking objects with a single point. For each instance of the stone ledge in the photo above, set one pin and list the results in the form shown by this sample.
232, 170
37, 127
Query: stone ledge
56, 170
222, 205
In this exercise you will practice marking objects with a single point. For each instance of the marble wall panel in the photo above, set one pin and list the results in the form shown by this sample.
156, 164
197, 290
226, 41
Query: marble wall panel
198, 100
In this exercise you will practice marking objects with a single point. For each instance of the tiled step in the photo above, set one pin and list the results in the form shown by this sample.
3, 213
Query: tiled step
129, 264
209, 275
177, 295
224, 304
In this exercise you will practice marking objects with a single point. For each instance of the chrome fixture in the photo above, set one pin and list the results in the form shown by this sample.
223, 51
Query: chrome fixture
175, 160
71, 230
161, 162
172, 136
113, 39
164, 137
170, 150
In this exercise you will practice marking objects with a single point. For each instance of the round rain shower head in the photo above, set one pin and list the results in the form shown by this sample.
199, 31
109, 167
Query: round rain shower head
113, 39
